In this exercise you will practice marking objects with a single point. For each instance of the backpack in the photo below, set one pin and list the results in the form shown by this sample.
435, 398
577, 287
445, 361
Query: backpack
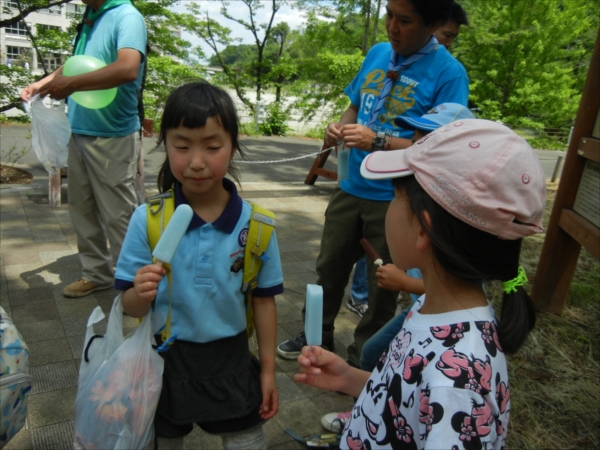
262, 224
15, 380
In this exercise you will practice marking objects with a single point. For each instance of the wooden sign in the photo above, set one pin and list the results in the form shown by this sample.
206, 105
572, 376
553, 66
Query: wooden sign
574, 222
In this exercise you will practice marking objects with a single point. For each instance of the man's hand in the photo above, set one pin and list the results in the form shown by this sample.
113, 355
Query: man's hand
29, 92
58, 88
358, 136
332, 134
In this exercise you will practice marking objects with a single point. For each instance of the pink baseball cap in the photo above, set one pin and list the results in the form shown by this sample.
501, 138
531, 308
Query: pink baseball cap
479, 171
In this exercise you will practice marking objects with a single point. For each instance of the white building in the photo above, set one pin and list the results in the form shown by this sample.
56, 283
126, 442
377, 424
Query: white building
16, 46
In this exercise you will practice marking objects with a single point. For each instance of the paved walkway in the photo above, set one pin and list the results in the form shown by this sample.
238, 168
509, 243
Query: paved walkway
39, 257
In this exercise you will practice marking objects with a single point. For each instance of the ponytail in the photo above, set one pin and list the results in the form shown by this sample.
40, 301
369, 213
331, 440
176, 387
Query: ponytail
517, 316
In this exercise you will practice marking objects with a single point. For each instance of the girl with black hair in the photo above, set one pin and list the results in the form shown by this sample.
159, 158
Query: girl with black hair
210, 376
465, 196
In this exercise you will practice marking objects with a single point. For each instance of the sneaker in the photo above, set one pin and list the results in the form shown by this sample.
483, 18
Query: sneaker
357, 307
291, 349
81, 288
335, 422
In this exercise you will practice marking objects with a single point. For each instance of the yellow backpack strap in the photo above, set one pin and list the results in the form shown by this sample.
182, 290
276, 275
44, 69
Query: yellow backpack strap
262, 224
159, 210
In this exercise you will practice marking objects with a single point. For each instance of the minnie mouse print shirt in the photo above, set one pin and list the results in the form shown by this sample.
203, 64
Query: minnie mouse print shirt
442, 384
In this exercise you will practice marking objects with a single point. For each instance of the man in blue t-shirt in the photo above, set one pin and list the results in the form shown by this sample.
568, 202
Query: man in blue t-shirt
406, 76
105, 145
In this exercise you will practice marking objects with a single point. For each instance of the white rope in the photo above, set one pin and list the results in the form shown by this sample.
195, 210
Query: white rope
241, 161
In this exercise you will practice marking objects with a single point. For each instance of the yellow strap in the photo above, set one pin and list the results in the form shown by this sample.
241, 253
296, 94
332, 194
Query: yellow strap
262, 224
160, 208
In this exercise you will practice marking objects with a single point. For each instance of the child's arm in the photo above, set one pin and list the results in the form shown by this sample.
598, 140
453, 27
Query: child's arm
394, 279
326, 370
265, 320
138, 299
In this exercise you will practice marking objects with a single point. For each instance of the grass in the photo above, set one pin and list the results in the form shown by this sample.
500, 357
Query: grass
554, 378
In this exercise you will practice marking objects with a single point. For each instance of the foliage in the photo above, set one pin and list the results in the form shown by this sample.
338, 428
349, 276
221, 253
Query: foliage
11, 16
324, 91
164, 75
546, 142
275, 122
317, 132
13, 78
526, 59
248, 129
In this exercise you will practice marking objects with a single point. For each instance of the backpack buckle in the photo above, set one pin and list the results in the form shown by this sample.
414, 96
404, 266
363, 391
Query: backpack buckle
156, 202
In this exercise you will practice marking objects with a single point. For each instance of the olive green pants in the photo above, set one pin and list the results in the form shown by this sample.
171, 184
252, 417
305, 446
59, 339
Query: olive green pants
348, 219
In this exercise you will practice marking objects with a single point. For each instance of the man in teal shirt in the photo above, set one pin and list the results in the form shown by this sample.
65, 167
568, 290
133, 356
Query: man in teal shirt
105, 145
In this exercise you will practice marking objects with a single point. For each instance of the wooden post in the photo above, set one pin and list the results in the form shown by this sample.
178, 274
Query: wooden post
567, 230
139, 182
317, 169
54, 199
147, 128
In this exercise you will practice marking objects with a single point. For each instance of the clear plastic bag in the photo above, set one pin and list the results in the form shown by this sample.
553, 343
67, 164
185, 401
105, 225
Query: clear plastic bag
119, 386
50, 133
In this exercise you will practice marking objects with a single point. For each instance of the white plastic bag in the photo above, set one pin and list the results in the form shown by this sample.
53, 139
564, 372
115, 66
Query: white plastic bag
119, 387
50, 133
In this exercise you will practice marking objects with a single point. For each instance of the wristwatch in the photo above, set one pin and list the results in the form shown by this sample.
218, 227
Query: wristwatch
379, 141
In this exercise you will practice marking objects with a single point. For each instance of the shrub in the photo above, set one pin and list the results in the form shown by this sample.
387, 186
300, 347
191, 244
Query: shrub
275, 122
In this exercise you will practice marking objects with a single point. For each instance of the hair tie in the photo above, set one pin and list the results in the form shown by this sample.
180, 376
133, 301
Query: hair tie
511, 285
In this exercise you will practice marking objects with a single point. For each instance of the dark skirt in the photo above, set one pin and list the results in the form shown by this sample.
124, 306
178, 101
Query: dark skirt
211, 382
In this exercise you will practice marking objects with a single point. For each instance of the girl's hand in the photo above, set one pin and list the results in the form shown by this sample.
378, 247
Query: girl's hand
146, 282
270, 402
322, 369
394, 279
391, 278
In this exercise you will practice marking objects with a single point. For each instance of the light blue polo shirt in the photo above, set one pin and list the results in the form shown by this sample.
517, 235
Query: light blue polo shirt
207, 302
118, 28
432, 80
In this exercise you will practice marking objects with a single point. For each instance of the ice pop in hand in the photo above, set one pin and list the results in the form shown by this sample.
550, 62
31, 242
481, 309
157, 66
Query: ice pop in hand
313, 319
171, 237
371, 253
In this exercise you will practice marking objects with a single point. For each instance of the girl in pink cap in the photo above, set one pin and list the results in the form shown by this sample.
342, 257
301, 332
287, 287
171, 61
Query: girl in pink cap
465, 196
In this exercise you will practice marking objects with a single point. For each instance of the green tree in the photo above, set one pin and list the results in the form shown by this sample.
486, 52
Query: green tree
218, 36
526, 59
165, 74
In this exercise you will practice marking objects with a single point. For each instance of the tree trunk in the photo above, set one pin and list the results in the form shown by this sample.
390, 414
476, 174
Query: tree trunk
376, 24
367, 26
259, 74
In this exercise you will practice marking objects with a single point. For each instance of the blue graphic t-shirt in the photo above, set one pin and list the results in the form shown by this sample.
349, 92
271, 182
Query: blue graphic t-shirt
434, 79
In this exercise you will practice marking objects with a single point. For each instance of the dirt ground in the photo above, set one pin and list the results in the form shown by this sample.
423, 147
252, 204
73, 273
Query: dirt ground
14, 175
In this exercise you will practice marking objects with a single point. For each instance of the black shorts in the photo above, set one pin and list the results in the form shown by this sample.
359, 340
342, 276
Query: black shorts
215, 385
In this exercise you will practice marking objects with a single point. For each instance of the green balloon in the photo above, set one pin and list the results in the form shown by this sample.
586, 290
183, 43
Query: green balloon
80, 64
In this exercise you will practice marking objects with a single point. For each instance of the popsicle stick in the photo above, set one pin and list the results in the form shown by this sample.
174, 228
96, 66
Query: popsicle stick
371, 253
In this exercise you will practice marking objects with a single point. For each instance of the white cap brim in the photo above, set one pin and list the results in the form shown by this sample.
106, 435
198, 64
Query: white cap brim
385, 164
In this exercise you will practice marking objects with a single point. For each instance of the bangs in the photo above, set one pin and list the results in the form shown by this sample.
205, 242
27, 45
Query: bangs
191, 108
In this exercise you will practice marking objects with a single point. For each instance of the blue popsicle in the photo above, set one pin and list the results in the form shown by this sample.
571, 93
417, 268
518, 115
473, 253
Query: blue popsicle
313, 319
343, 156
171, 237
